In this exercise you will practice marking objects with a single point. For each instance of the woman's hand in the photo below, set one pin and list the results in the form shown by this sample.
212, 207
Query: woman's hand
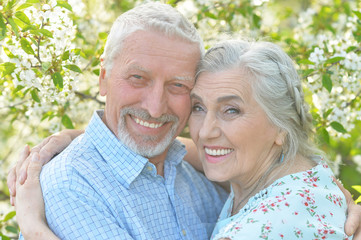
48, 148
353, 221
30, 212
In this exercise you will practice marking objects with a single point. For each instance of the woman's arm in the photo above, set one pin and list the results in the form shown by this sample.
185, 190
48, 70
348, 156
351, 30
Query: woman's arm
47, 149
30, 213
192, 153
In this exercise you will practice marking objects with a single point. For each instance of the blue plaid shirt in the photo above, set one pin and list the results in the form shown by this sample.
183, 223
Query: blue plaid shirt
99, 189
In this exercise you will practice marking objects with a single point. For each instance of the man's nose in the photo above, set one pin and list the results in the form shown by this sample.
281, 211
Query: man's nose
155, 101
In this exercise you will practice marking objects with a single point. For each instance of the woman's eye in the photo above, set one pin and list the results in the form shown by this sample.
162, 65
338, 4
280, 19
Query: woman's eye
232, 111
197, 108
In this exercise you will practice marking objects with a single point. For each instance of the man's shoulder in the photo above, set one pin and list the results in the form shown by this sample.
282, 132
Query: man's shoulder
76, 160
197, 180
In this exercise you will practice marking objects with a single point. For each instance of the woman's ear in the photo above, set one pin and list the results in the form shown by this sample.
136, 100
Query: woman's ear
280, 138
102, 82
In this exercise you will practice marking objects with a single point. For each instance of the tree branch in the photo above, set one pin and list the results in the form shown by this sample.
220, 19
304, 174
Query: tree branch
85, 96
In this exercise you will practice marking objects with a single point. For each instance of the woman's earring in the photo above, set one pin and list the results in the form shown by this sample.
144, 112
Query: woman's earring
282, 157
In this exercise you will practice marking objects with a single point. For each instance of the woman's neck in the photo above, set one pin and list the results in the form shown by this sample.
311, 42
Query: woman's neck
247, 188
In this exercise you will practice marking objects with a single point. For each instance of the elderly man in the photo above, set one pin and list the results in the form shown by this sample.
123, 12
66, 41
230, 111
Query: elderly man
124, 178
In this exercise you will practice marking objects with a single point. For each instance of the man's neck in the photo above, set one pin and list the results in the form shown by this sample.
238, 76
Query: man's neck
158, 162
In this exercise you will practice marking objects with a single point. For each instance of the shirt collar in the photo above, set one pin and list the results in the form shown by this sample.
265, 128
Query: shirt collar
125, 164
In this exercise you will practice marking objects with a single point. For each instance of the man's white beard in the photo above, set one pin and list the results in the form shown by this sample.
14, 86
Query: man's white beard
149, 146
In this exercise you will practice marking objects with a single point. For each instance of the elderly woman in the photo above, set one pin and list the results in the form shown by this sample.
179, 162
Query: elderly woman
252, 128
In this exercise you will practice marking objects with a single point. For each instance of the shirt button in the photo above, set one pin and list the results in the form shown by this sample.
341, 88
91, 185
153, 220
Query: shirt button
184, 232
149, 168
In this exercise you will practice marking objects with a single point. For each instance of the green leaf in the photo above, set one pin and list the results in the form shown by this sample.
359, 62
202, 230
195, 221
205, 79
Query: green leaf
327, 113
76, 51
334, 60
25, 45
66, 121
307, 72
73, 67
358, 14
351, 48
32, 1
358, 200
14, 26
29, 27
46, 33
11, 3
57, 80
3, 237
45, 66
257, 20
338, 127
9, 216
12, 229
22, 16
24, 6
210, 15
65, 56
2, 23
65, 4
34, 95
324, 135
327, 82
7, 68
96, 72
306, 61
8, 52
103, 35
357, 188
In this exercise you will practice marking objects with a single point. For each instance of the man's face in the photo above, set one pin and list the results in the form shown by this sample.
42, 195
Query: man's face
147, 91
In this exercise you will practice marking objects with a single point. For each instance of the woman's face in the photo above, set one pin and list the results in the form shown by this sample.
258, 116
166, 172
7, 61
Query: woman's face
234, 137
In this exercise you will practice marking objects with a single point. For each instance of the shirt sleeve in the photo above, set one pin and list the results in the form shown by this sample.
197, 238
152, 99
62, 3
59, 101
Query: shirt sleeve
78, 214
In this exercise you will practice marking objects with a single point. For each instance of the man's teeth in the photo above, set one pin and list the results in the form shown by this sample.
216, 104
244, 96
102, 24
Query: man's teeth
147, 124
217, 152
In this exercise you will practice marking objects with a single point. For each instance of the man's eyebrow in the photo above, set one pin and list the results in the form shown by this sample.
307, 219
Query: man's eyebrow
137, 67
228, 98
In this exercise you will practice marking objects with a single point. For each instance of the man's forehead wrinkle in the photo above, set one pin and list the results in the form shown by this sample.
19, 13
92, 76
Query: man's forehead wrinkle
180, 78
184, 78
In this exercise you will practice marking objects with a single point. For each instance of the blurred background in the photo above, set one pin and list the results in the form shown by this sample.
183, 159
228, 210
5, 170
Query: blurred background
49, 67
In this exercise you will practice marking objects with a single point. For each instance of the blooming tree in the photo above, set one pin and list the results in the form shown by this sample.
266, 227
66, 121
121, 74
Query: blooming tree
50, 53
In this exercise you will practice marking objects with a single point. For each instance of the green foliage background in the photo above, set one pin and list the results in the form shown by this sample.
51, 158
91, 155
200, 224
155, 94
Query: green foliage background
270, 20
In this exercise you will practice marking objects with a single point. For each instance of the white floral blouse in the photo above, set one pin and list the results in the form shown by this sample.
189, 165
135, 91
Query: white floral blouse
305, 205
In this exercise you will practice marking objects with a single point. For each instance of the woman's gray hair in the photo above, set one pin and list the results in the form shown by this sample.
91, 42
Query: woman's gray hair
153, 16
276, 87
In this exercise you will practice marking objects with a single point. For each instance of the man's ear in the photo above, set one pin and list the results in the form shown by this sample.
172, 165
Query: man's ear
102, 82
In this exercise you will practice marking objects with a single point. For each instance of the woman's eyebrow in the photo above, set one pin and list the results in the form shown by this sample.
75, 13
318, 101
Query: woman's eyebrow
228, 98
195, 96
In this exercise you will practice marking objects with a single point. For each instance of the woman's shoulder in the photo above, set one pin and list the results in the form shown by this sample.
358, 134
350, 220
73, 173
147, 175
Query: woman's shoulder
304, 205
311, 189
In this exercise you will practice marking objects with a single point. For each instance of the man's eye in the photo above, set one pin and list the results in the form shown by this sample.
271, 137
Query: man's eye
178, 88
179, 85
137, 76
